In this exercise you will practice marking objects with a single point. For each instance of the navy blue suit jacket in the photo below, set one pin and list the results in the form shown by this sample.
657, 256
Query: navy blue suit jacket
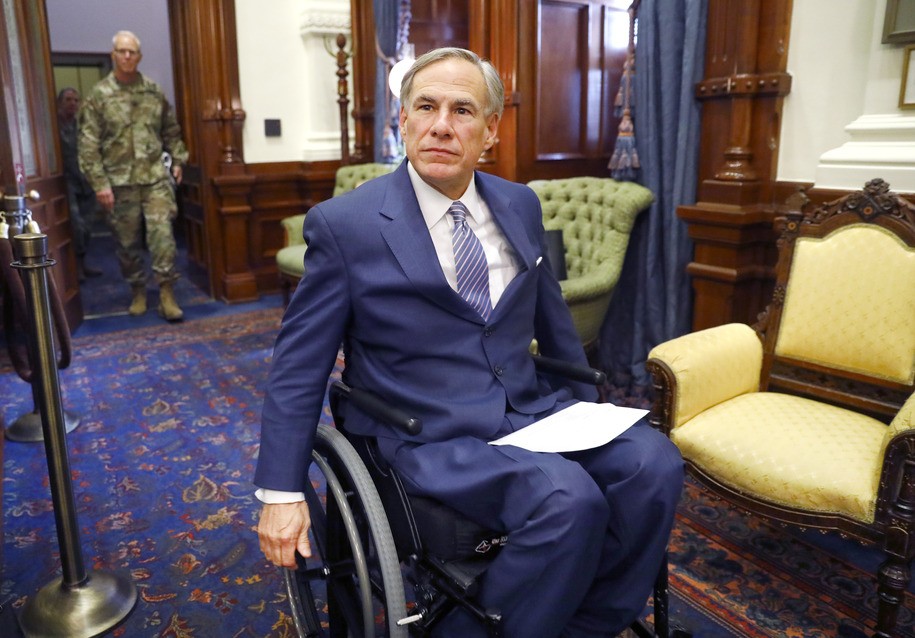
373, 283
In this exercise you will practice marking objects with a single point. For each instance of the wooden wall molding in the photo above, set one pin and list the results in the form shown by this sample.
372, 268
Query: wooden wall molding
324, 18
751, 84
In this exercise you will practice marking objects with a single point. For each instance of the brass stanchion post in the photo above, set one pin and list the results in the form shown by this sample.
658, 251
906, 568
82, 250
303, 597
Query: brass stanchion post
80, 603
27, 427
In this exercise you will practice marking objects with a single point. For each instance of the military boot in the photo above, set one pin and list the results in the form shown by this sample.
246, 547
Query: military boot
138, 305
168, 307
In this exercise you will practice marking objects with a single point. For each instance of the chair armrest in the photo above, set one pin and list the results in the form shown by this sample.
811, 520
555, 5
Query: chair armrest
571, 371
898, 456
376, 407
292, 226
699, 370
903, 422
590, 285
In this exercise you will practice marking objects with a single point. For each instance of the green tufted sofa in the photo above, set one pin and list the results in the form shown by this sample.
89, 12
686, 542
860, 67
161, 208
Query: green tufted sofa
290, 258
596, 216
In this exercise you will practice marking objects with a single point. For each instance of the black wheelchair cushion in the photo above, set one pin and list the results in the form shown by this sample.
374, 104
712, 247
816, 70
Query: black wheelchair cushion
449, 535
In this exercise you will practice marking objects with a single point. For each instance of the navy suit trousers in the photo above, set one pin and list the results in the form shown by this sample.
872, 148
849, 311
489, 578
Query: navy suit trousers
587, 530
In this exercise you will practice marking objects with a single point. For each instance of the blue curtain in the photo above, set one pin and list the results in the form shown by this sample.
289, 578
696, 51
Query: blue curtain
386, 31
653, 300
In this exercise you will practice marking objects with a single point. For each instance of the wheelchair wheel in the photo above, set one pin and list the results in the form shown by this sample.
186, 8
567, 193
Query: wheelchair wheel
354, 560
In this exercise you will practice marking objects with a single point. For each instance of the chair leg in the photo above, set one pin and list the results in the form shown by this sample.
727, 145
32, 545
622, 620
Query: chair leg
662, 602
892, 583
661, 597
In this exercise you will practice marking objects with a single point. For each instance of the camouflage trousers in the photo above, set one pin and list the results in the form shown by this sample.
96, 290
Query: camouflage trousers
155, 205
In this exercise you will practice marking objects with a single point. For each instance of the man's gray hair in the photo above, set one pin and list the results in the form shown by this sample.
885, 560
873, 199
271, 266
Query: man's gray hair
126, 34
495, 90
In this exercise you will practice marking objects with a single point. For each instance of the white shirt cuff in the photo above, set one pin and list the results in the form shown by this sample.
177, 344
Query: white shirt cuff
271, 497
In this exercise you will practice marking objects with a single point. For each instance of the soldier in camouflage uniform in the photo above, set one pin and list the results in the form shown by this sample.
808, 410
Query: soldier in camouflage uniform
126, 124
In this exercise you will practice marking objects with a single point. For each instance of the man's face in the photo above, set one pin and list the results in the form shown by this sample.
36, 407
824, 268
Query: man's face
69, 104
444, 128
126, 55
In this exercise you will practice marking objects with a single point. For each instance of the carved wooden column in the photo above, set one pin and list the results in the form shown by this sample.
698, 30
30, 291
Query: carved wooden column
731, 224
363, 51
217, 193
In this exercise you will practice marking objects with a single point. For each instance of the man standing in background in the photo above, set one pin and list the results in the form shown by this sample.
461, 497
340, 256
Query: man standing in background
126, 125
80, 195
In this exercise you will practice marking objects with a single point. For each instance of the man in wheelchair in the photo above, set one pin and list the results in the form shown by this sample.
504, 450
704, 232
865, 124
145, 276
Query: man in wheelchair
436, 280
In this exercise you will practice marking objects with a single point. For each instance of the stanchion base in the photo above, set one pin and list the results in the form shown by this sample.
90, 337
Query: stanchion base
27, 428
91, 609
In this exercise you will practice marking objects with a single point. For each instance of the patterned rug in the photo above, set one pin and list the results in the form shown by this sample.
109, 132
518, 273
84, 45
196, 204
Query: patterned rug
161, 467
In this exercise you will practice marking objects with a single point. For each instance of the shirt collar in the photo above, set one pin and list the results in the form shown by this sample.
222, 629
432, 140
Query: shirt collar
434, 205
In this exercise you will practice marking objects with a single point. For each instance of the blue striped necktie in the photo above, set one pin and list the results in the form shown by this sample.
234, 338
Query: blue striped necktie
470, 263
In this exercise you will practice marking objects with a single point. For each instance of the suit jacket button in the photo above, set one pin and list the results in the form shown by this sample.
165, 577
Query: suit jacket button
498, 370
487, 332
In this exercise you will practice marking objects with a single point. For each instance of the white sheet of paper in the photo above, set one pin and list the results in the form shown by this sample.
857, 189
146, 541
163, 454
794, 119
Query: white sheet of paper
580, 426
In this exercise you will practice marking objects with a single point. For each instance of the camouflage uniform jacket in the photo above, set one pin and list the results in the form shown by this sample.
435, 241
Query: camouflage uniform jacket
123, 131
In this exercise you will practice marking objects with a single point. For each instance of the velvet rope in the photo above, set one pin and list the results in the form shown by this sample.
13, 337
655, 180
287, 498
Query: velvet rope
15, 317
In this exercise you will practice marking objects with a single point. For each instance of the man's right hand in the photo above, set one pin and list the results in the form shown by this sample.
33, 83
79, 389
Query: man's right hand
105, 199
283, 529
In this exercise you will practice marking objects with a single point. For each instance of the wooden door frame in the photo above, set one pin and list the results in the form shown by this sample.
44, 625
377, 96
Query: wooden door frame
51, 211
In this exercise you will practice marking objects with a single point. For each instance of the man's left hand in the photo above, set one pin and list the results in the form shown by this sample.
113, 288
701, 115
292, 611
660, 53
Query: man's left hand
176, 173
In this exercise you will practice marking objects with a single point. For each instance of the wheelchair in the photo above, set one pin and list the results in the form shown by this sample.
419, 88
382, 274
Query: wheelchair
369, 538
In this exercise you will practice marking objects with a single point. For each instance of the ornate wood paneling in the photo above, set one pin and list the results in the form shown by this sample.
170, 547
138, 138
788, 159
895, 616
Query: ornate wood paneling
571, 60
494, 35
280, 190
439, 23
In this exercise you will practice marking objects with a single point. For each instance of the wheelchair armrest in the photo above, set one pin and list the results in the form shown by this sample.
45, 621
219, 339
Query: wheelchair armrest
378, 408
571, 371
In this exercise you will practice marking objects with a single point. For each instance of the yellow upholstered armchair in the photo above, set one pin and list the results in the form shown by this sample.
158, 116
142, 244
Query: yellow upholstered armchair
809, 417
596, 216
290, 258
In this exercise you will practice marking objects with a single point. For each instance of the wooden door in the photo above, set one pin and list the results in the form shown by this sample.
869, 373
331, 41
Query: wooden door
29, 149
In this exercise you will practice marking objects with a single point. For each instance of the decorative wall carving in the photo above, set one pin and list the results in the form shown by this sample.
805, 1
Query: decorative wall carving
323, 17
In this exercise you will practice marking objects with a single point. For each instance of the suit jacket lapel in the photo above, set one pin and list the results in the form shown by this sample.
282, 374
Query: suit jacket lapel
509, 220
409, 241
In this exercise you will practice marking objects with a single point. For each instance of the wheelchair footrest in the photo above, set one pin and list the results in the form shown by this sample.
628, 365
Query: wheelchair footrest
463, 574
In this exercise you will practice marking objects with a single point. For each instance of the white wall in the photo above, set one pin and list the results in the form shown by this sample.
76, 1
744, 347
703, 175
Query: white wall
286, 73
841, 124
826, 35
87, 26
